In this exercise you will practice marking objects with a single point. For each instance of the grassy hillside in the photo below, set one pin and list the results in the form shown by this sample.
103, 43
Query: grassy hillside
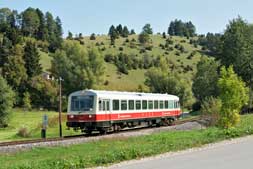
114, 80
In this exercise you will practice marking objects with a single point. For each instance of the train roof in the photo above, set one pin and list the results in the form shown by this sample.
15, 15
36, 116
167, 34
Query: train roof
124, 95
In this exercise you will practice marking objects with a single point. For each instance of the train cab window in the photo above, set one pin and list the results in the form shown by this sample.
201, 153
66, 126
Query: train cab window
166, 104
161, 104
138, 104
144, 104
82, 103
156, 104
170, 104
115, 104
123, 105
150, 104
175, 104
130, 104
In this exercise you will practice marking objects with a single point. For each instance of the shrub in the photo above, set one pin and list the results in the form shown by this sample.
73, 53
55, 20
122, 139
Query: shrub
93, 36
121, 48
211, 109
177, 53
106, 82
109, 58
23, 132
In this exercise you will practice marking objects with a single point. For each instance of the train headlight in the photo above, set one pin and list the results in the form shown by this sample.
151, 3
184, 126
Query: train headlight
71, 116
90, 116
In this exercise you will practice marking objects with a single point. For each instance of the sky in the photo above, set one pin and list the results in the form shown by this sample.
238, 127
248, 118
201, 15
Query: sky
96, 16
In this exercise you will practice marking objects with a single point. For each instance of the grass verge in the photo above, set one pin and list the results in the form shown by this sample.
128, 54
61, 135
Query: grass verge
109, 151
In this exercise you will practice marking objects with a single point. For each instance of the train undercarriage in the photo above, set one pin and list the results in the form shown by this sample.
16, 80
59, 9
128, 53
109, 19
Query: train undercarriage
104, 127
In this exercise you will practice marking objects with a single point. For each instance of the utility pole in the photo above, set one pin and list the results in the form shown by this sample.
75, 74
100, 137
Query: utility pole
60, 108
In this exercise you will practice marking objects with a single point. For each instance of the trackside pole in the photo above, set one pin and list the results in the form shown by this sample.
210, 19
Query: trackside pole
60, 108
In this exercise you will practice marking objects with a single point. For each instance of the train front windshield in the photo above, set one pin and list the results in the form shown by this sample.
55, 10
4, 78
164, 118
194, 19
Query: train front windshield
82, 103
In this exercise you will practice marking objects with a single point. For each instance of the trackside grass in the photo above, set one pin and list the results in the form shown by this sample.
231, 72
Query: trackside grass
109, 151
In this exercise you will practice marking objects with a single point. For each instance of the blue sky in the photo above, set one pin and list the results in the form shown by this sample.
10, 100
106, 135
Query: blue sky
88, 16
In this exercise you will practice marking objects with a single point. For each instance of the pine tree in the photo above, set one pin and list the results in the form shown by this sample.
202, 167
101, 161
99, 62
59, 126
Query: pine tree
125, 32
32, 58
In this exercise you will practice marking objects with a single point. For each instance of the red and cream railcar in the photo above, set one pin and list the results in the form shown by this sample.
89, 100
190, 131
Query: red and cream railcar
91, 110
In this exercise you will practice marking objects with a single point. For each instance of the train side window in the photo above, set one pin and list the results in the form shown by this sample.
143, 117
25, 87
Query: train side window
104, 105
130, 104
100, 105
156, 104
144, 104
150, 104
123, 104
115, 104
175, 104
161, 104
166, 104
108, 105
138, 104
170, 104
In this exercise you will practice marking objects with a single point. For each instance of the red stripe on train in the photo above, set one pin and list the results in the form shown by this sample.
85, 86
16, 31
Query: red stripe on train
120, 116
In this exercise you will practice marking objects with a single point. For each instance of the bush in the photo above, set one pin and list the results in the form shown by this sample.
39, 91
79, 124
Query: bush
121, 48
106, 82
109, 58
196, 106
23, 132
177, 53
6, 102
211, 109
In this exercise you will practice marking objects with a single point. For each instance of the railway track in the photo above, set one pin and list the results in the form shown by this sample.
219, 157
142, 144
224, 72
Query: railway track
34, 141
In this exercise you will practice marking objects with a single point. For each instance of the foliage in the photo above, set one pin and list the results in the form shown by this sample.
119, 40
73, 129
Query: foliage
237, 50
14, 70
32, 59
161, 82
211, 110
233, 94
27, 101
43, 93
205, 81
79, 68
93, 36
179, 28
147, 29
6, 102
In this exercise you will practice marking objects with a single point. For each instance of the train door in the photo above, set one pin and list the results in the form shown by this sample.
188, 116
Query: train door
104, 107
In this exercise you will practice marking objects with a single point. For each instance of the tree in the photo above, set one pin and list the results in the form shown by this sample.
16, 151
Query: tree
132, 32
237, 50
147, 29
42, 33
161, 82
113, 34
144, 38
233, 94
125, 32
205, 81
32, 60
70, 35
79, 68
30, 22
164, 35
43, 93
14, 70
179, 28
7, 100
119, 29
27, 101
93, 36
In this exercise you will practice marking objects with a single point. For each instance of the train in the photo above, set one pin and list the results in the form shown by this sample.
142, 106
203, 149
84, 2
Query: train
105, 111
